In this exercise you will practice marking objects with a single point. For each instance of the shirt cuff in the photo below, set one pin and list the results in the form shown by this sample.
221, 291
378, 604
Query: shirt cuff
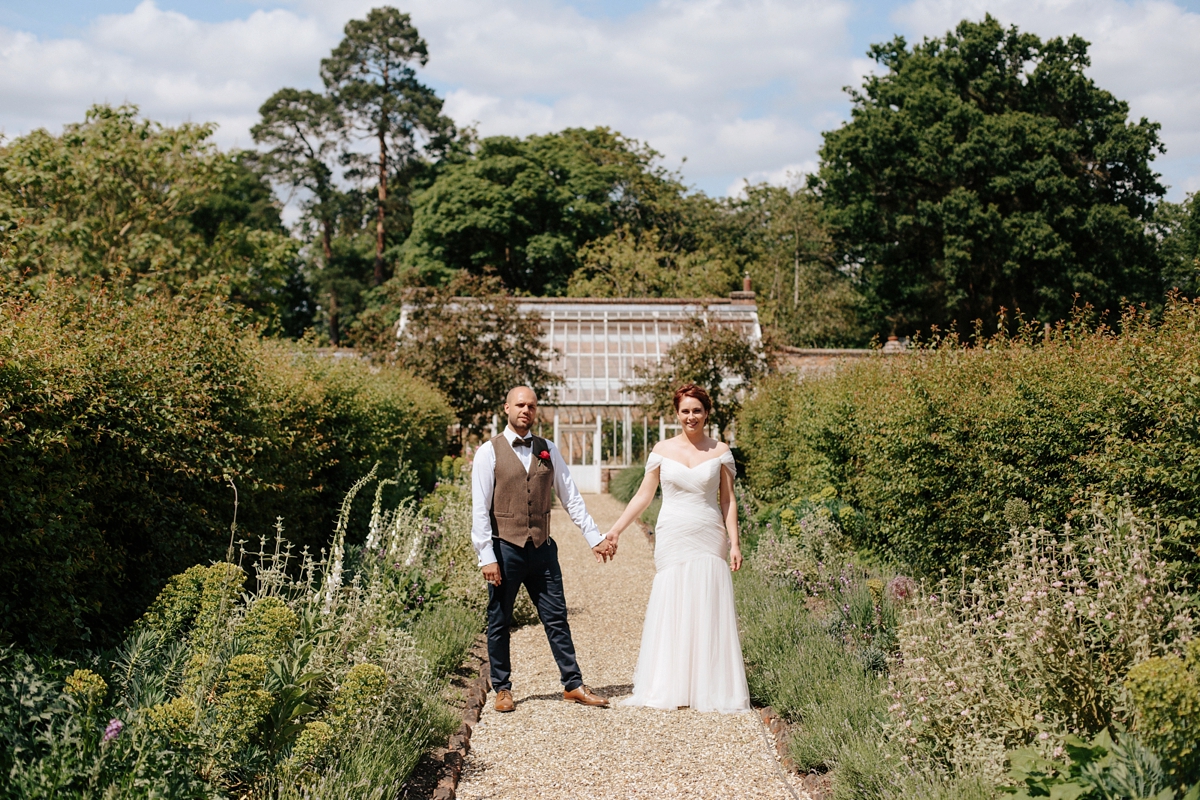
593, 536
487, 555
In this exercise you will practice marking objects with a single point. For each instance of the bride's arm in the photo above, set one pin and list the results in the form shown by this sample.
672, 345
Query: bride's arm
729, 512
637, 504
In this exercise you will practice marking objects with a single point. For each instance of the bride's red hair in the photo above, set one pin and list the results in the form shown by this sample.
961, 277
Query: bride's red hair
697, 392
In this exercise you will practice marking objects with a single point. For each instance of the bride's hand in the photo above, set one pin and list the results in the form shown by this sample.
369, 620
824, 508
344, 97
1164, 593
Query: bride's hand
735, 558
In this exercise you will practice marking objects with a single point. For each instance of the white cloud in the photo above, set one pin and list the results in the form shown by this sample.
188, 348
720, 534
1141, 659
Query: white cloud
1144, 52
173, 67
789, 175
736, 86
741, 88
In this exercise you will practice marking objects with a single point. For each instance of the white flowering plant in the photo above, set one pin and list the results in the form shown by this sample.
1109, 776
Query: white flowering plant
1036, 646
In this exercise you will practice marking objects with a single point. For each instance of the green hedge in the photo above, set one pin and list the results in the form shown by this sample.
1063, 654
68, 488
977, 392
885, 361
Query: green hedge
119, 424
930, 445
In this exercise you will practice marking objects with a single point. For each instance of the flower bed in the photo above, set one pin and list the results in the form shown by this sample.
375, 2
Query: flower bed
315, 677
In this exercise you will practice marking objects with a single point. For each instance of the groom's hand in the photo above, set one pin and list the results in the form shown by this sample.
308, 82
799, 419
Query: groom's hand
604, 551
491, 574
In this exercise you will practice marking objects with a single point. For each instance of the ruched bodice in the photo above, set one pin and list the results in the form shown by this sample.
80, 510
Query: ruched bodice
689, 524
691, 655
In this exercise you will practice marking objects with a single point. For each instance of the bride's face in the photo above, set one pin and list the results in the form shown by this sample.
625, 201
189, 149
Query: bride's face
692, 415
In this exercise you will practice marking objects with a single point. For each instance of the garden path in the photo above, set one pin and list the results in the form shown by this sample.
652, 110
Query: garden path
548, 749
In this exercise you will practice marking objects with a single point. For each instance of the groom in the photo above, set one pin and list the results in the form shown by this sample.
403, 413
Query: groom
511, 481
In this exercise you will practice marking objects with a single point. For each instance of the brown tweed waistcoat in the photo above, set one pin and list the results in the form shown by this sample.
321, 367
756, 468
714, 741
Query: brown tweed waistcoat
521, 500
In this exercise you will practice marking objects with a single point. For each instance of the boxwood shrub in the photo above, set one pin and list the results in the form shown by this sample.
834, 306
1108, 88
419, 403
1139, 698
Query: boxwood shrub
122, 424
930, 445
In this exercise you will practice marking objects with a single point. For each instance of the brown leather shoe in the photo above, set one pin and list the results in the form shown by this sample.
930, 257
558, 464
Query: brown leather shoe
504, 701
585, 696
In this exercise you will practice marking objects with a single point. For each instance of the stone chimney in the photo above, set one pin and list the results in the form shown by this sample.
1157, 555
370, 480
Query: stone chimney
746, 295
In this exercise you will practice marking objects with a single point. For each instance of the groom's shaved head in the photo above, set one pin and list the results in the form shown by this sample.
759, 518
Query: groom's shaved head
513, 392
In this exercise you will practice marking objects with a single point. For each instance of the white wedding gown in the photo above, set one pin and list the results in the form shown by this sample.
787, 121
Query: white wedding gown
691, 654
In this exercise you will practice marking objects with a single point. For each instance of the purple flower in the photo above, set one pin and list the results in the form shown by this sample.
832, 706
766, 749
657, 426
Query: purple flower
902, 587
115, 726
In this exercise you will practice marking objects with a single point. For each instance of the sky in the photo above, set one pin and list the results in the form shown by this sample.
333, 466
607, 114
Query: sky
726, 90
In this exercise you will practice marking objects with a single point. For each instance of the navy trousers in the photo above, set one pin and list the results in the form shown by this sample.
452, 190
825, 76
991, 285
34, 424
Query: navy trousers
537, 568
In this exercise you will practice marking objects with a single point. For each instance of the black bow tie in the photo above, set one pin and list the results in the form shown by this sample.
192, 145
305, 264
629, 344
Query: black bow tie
523, 442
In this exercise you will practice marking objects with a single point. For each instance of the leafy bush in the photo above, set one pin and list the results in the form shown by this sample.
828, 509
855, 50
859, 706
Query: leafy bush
1165, 695
57, 746
623, 485
1102, 769
444, 636
121, 424
930, 446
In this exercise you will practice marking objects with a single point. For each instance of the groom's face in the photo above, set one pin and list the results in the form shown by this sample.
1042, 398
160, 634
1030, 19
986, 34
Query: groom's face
521, 408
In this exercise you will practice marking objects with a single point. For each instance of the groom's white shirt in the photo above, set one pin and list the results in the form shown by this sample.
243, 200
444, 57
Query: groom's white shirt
483, 484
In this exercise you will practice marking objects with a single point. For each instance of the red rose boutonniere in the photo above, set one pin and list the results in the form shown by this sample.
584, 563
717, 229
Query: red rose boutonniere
544, 456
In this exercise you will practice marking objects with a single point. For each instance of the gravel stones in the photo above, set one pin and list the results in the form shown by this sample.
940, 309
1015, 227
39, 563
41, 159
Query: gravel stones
547, 748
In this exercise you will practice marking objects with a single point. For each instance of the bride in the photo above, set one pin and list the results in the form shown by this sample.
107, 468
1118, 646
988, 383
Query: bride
691, 655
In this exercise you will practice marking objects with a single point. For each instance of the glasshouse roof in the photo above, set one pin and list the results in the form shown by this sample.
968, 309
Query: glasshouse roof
598, 342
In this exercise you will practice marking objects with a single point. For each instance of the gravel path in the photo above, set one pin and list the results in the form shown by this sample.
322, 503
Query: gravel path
548, 749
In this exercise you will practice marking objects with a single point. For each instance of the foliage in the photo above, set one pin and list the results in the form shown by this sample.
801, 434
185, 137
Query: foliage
307, 680
984, 170
723, 360
786, 246
121, 425
1165, 695
524, 207
623, 485
371, 76
445, 634
56, 746
1019, 657
1102, 769
806, 675
304, 130
931, 446
1178, 227
1036, 645
142, 207
469, 339
647, 263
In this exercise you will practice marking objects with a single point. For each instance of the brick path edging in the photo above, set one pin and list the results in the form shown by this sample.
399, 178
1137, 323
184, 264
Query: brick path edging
460, 741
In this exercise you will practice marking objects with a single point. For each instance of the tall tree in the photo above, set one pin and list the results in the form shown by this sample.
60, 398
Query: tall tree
525, 207
984, 170
144, 207
787, 249
372, 76
305, 130
1178, 226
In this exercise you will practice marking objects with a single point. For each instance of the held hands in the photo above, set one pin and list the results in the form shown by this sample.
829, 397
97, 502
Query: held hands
605, 550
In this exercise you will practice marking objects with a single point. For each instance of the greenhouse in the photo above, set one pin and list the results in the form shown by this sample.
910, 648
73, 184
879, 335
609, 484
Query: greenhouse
596, 421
